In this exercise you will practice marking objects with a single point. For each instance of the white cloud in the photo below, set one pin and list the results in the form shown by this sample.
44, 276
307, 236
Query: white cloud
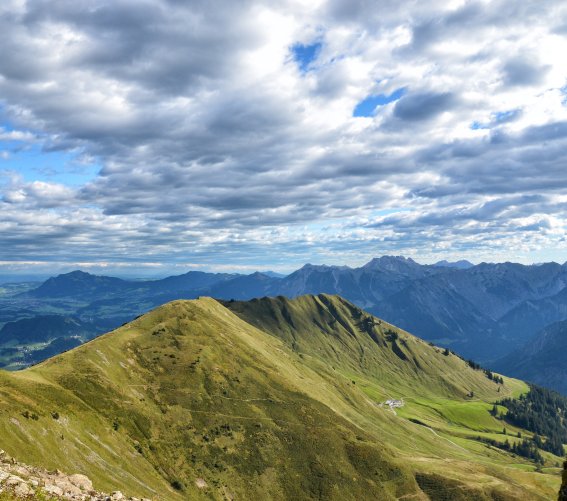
214, 145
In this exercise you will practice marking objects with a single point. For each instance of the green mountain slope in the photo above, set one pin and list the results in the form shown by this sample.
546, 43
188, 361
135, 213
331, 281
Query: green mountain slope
270, 399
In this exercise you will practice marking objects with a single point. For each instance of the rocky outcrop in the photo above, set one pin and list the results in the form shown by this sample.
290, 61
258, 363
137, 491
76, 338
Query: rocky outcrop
563, 491
21, 481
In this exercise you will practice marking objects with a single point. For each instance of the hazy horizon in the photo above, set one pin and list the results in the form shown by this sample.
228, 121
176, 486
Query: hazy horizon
135, 271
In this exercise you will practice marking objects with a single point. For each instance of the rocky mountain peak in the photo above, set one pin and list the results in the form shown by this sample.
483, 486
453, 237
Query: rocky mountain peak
391, 263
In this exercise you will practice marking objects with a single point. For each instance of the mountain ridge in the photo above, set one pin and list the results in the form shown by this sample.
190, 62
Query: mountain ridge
462, 264
484, 312
542, 359
205, 404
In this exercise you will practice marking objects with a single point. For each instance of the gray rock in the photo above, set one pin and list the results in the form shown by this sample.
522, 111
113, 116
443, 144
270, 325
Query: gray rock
23, 490
13, 480
54, 490
81, 481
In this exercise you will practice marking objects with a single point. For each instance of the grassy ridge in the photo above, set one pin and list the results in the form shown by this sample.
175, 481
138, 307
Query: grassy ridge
188, 395
267, 399
329, 332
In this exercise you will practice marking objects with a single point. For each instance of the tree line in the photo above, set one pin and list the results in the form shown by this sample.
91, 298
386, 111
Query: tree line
544, 413
526, 448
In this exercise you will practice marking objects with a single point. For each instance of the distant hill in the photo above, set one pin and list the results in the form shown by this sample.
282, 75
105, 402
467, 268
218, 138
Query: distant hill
466, 308
275, 398
542, 360
376, 280
272, 274
245, 286
483, 312
30, 340
79, 284
191, 281
463, 264
442, 314
532, 315
44, 328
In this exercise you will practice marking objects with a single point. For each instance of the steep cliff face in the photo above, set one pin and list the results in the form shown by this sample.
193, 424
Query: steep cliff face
563, 490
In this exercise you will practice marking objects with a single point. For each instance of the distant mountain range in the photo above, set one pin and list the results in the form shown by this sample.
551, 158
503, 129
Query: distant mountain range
543, 360
485, 311
463, 264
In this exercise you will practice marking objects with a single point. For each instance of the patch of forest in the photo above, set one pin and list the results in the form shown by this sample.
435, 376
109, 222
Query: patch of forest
541, 411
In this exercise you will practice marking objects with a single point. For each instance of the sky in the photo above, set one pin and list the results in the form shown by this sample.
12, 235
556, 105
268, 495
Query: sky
154, 136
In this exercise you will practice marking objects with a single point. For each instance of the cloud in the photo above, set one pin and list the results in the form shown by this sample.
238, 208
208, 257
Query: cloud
217, 145
423, 106
519, 71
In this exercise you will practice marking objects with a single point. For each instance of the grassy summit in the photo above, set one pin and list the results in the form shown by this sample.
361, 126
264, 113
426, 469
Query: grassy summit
268, 399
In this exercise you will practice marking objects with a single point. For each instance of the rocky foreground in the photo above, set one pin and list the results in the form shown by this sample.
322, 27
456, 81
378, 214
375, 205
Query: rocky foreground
20, 481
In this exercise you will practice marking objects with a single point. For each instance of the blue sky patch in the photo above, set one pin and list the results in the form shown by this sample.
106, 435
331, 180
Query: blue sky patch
368, 105
34, 163
497, 118
502, 117
304, 55
479, 126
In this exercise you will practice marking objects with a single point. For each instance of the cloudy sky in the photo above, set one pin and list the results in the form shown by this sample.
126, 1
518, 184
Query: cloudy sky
166, 135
